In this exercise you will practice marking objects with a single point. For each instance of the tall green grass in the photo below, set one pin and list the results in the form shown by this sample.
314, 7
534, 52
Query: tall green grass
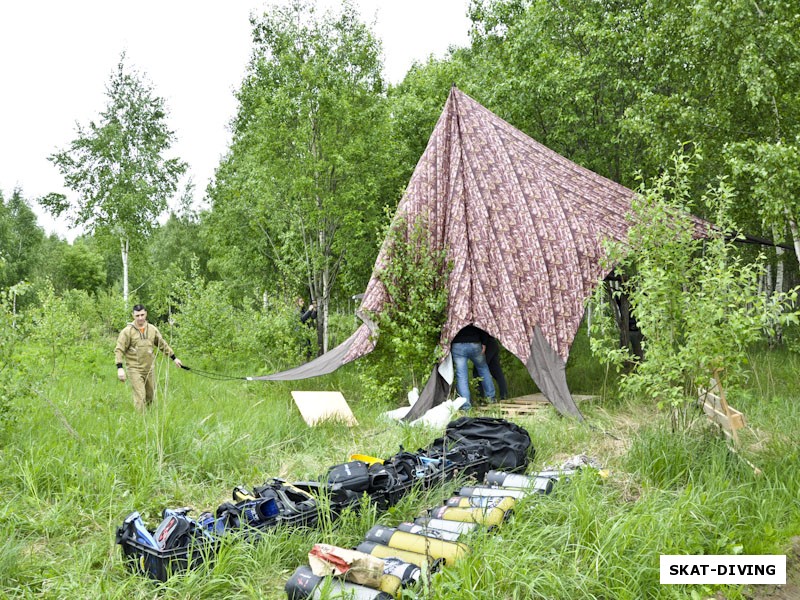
78, 458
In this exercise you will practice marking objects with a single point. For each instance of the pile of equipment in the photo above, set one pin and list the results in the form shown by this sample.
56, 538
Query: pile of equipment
470, 448
391, 558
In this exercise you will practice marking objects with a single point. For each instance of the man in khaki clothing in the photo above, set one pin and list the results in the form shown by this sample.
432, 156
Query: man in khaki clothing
137, 344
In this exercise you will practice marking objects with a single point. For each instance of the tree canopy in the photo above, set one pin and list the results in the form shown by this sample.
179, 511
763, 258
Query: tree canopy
118, 166
302, 188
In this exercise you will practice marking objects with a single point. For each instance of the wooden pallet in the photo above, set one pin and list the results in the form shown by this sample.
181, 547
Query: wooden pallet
524, 405
514, 408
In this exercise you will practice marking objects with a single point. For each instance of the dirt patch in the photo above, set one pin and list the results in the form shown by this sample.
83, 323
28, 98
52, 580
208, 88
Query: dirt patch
790, 591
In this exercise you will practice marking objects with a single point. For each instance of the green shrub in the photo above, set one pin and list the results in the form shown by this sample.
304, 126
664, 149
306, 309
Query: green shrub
112, 313
695, 300
410, 323
213, 331
54, 328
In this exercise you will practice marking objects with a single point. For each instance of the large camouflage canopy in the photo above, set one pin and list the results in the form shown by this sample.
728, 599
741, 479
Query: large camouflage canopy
523, 228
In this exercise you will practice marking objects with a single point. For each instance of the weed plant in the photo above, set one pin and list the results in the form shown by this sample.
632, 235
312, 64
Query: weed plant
77, 458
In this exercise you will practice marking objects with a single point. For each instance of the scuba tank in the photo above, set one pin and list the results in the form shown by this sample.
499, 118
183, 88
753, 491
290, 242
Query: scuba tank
430, 532
304, 584
449, 551
414, 558
502, 502
482, 516
459, 527
491, 491
398, 574
537, 484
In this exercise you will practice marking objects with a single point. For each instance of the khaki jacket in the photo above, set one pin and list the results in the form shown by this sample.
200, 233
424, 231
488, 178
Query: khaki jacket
138, 347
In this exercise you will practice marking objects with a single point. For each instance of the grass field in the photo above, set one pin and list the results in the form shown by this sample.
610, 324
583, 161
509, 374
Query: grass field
78, 458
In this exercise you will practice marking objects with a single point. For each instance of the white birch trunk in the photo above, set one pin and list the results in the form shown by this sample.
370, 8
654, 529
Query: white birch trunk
772, 330
768, 280
589, 319
326, 294
795, 236
776, 293
779, 268
123, 242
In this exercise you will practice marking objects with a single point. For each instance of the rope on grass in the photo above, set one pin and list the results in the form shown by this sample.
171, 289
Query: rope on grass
214, 376
70, 429
603, 431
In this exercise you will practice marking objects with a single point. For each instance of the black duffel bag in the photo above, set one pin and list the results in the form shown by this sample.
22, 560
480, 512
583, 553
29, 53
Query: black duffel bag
507, 445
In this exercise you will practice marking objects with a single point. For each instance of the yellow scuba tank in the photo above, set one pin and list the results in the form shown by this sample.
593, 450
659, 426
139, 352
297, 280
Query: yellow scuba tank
482, 516
459, 527
398, 573
450, 536
389, 536
492, 491
414, 558
502, 502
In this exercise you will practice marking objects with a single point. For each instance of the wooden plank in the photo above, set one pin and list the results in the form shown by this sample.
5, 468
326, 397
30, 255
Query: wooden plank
511, 408
729, 422
523, 402
713, 407
540, 399
717, 409
529, 399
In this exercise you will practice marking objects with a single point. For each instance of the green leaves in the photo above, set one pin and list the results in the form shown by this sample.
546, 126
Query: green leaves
771, 172
410, 324
117, 166
695, 300
21, 240
614, 85
298, 197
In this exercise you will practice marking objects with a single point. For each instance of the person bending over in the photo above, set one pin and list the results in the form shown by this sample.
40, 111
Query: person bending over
493, 360
469, 344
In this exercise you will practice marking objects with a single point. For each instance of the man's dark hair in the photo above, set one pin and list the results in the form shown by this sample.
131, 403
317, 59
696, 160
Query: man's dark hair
138, 307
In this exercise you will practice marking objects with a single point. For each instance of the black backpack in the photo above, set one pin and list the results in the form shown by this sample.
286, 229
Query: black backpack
176, 530
353, 475
507, 445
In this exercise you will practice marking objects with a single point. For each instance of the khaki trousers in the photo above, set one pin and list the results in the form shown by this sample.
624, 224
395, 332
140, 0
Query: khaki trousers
143, 389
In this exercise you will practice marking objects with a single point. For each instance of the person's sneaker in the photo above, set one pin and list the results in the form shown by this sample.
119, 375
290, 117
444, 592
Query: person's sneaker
466, 407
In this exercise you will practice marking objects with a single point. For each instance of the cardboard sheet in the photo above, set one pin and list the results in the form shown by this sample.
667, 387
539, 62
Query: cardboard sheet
321, 406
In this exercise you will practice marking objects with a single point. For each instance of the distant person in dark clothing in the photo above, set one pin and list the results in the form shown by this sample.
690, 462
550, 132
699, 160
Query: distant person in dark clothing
308, 317
469, 344
493, 360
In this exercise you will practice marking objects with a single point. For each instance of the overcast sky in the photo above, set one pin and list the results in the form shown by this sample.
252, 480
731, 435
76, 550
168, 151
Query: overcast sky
57, 56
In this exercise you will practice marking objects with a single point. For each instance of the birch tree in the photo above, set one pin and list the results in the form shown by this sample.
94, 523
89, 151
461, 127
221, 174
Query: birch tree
118, 167
303, 177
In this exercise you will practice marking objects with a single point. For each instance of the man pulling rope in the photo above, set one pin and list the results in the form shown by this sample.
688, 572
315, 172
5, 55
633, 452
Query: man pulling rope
136, 344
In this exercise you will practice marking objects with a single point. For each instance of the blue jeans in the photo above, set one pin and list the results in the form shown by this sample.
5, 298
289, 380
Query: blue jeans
461, 354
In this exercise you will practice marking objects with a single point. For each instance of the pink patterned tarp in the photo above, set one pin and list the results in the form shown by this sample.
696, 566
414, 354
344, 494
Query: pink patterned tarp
524, 230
